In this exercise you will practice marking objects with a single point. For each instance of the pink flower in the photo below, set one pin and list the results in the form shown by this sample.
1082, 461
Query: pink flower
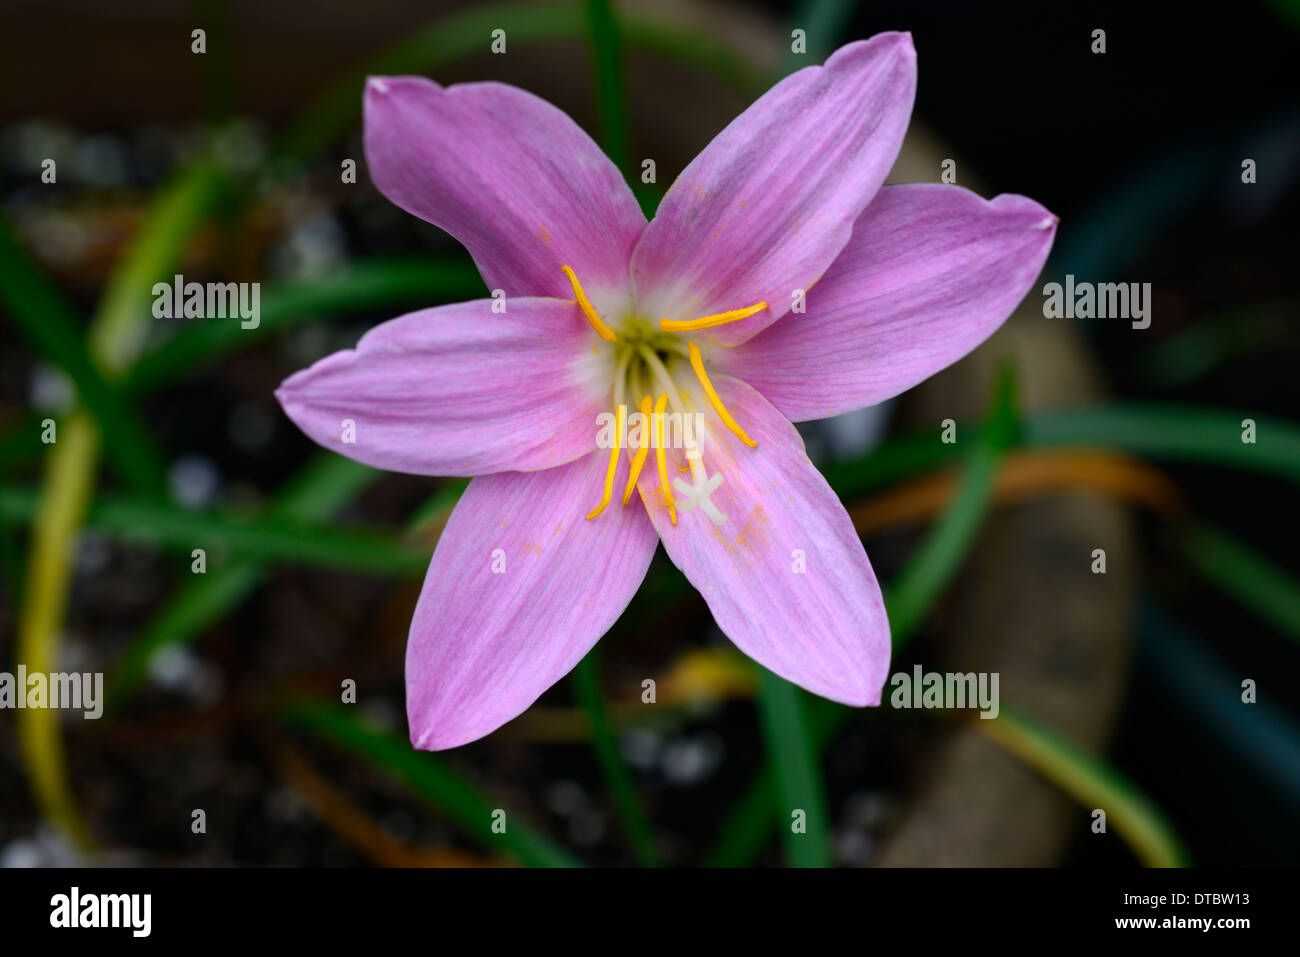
687, 314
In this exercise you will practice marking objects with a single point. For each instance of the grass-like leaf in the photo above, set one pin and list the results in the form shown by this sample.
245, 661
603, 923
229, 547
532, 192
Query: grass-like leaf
21, 443
51, 327
428, 776
267, 538
606, 46
1159, 431
1091, 782
325, 485
67, 490
803, 818
622, 786
121, 323
1240, 571
115, 336
1176, 433
910, 596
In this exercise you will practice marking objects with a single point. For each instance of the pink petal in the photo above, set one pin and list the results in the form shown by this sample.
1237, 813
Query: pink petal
485, 645
768, 205
930, 273
510, 176
824, 628
458, 390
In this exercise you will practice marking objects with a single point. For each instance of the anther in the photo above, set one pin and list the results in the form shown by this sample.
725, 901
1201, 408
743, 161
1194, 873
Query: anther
697, 363
588, 310
621, 418
706, 322
641, 453
661, 458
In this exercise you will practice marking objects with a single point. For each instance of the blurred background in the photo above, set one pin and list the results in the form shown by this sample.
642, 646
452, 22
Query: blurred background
1121, 691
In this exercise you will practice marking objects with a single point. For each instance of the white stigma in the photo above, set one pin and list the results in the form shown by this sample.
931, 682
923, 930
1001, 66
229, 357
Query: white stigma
697, 494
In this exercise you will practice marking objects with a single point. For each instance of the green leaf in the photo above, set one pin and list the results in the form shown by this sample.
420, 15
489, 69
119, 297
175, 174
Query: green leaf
1288, 9
431, 779
1177, 433
893, 460
245, 536
51, 327
1244, 574
750, 820
622, 786
823, 23
436, 507
1159, 431
797, 764
932, 566
115, 335
122, 320
21, 444
711, 52
323, 487
1180, 359
317, 492
69, 485
1092, 783
194, 607
611, 98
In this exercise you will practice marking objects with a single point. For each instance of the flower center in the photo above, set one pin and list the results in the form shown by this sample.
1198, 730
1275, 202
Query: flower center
643, 355
643, 352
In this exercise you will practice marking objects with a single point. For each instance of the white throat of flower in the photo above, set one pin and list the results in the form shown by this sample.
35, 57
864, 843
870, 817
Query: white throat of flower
639, 369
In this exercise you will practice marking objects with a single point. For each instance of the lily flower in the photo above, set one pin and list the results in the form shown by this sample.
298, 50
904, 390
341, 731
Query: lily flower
778, 282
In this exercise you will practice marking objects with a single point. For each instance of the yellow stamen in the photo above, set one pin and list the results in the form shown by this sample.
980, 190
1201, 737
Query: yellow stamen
697, 363
621, 418
663, 462
588, 310
705, 322
642, 451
